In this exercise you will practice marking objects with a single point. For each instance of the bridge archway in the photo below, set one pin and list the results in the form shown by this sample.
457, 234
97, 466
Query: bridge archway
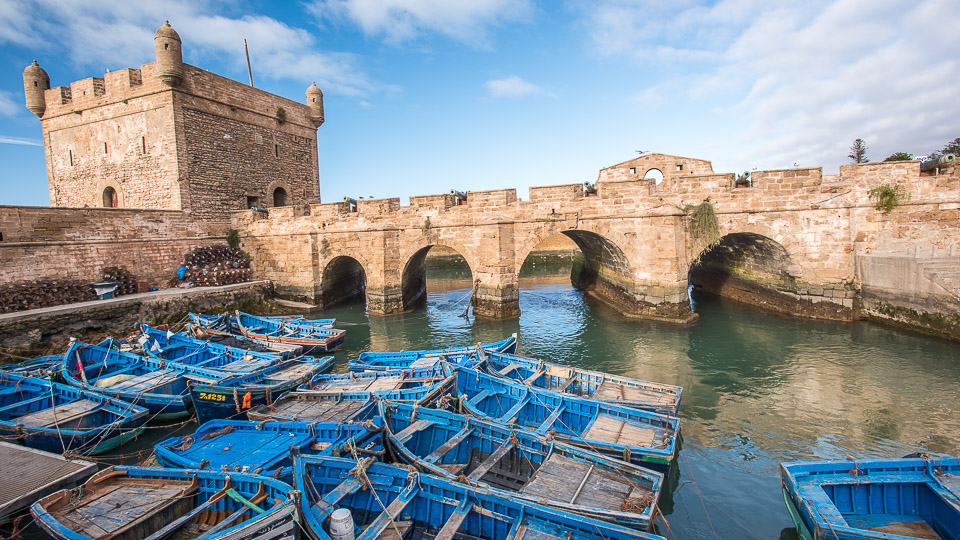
413, 279
748, 267
343, 279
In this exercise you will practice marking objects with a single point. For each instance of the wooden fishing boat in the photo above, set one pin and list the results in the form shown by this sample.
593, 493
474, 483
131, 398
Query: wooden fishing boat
314, 406
651, 396
148, 382
375, 381
41, 366
230, 398
135, 503
223, 329
385, 501
311, 338
299, 319
372, 361
637, 436
191, 351
888, 499
523, 464
59, 418
265, 448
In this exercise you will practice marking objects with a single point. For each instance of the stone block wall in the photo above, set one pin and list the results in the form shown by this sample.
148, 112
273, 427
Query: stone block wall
77, 243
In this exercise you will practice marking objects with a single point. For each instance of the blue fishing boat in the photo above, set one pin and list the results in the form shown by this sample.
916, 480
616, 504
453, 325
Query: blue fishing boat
383, 501
230, 398
375, 381
223, 329
160, 387
58, 418
876, 499
312, 406
634, 435
41, 366
651, 396
135, 503
265, 447
313, 339
191, 351
524, 464
299, 319
372, 361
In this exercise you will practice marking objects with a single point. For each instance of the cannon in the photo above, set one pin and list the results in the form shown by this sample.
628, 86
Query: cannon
350, 200
459, 195
932, 164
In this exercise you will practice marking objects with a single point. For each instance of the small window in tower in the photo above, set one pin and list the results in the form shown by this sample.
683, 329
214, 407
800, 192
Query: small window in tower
279, 197
1, 237
166, 46
143, 144
35, 83
104, 148
276, 150
633, 170
251, 201
71, 157
680, 167
110, 199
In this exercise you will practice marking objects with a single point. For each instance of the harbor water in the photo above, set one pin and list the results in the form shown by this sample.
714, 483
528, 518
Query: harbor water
758, 388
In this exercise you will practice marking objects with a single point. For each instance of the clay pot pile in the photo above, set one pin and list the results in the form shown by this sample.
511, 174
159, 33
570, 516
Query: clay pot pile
216, 265
128, 284
25, 295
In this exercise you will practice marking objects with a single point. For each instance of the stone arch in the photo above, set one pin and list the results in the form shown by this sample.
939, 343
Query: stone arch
279, 196
342, 277
271, 190
111, 199
654, 174
117, 195
413, 276
749, 254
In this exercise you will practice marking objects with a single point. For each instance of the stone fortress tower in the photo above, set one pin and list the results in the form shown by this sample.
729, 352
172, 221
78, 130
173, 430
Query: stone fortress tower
173, 136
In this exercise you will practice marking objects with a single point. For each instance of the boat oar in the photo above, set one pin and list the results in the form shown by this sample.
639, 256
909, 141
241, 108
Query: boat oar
247, 505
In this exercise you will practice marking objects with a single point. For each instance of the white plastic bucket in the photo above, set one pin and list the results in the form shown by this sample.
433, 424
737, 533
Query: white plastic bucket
341, 524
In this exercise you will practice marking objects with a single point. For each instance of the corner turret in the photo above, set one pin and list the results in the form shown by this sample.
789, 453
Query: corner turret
169, 55
36, 81
315, 104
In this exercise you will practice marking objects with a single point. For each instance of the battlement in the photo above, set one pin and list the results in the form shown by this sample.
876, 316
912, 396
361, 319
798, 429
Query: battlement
114, 87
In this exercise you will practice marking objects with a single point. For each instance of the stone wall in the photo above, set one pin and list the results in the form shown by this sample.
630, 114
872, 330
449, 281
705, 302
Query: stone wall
77, 243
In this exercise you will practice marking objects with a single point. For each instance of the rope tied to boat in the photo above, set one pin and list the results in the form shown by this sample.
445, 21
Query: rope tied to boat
236, 400
189, 440
360, 471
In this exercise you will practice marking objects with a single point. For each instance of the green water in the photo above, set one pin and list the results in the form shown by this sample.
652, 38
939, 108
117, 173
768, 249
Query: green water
758, 388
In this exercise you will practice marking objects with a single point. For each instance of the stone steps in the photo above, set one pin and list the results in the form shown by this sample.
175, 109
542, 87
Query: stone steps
944, 271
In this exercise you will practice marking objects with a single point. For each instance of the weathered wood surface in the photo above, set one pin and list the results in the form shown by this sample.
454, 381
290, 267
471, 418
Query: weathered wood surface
118, 505
575, 482
614, 391
31, 474
323, 410
614, 430
913, 529
148, 381
61, 414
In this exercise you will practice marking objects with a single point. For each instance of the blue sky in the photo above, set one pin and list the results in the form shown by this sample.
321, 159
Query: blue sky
423, 96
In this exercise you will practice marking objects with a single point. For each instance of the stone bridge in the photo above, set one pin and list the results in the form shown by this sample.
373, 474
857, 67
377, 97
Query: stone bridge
792, 240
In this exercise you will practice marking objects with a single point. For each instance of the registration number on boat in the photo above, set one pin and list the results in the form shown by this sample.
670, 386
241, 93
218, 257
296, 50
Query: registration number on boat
212, 397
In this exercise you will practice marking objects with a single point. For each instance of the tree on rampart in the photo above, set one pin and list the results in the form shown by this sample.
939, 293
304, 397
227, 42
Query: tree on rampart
899, 156
858, 151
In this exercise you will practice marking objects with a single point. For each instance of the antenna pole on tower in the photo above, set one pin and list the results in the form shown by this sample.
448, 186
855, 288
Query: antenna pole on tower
249, 69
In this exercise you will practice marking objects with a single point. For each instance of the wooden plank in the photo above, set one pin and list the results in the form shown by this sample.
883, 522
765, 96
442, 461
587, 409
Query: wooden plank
515, 410
536, 375
551, 419
345, 488
570, 380
413, 428
491, 460
452, 525
448, 446
480, 397
388, 515
582, 483
31, 474
60, 414
510, 367
182, 520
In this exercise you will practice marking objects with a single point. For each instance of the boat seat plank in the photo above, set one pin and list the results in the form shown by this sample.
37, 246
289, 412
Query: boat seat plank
448, 446
475, 400
515, 410
424, 362
416, 426
551, 419
452, 525
568, 480
388, 516
324, 410
566, 384
615, 391
536, 375
950, 482
116, 509
510, 367
147, 381
525, 533
60, 414
491, 460
914, 529
348, 486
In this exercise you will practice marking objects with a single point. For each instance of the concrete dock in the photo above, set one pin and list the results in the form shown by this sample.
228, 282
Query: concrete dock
31, 474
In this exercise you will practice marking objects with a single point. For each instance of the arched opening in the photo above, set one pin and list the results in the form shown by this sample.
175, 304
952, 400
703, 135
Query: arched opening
443, 268
110, 198
747, 267
550, 262
654, 174
343, 280
552, 310
279, 197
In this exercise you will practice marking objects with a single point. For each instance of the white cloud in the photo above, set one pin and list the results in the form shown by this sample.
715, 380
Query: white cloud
4, 139
9, 106
800, 80
512, 87
111, 34
403, 20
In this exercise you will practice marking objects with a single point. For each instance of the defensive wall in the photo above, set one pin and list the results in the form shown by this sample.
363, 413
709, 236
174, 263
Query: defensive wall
77, 243
793, 239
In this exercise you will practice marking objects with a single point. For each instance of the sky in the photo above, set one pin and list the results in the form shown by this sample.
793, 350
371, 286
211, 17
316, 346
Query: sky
425, 96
